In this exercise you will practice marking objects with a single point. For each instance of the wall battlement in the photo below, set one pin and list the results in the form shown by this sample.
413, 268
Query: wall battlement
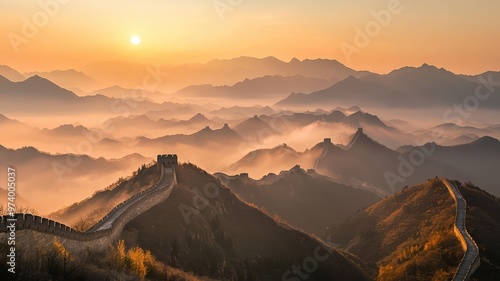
35, 230
166, 160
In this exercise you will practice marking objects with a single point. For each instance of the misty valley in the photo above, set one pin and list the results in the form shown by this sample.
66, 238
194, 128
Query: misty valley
249, 140
202, 190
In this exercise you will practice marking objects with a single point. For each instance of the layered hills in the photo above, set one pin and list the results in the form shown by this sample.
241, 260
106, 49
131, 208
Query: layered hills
204, 228
408, 235
296, 196
407, 87
60, 175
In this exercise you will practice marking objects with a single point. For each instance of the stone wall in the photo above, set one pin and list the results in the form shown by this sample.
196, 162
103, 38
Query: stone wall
471, 260
166, 160
34, 232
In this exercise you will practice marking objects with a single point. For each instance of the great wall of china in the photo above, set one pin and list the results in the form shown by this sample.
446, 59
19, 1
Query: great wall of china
471, 260
34, 231
37, 231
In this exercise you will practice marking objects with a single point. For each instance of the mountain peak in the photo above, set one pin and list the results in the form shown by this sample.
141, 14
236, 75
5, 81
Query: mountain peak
295, 170
11, 74
199, 117
486, 141
360, 138
360, 118
35, 77
251, 127
206, 129
425, 65
423, 69
38, 81
351, 78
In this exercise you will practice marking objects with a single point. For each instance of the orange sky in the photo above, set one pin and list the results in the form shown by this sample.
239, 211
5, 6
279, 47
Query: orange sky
459, 35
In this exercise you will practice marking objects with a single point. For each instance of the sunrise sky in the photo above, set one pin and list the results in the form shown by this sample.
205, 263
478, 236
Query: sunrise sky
459, 35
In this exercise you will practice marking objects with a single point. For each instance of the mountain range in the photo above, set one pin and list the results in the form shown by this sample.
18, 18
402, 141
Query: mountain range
71, 79
407, 87
228, 239
37, 95
295, 196
67, 177
266, 87
409, 235
381, 168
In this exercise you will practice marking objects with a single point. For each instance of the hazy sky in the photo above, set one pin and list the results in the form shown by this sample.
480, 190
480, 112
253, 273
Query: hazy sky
459, 35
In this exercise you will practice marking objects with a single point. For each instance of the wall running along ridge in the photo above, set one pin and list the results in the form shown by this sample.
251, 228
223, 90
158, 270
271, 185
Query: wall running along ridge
34, 232
471, 260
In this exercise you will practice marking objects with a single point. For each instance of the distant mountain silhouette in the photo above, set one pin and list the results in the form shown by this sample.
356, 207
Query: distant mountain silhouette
255, 129
215, 72
365, 161
354, 120
362, 162
198, 120
264, 161
451, 130
46, 97
361, 119
408, 87
61, 175
67, 130
12, 123
69, 79
479, 160
67, 138
286, 123
350, 91
208, 136
240, 112
176, 110
296, 196
127, 126
463, 139
268, 86
124, 93
36, 88
321, 68
11, 74
223, 135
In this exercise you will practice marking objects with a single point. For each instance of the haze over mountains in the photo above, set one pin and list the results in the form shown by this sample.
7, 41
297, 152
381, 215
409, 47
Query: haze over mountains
67, 177
304, 155
262, 87
231, 235
147, 126
309, 84
407, 87
295, 196
382, 168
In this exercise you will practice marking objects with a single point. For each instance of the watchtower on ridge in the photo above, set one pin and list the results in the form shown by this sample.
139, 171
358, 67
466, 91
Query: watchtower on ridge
166, 160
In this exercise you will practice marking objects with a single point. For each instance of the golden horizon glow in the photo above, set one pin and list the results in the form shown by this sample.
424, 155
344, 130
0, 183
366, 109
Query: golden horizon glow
456, 35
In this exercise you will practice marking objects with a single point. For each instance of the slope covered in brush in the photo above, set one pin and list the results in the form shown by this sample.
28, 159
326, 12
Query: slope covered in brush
202, 227
408, 236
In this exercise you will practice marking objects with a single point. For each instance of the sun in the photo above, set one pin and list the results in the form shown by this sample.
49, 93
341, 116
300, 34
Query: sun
136, 40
